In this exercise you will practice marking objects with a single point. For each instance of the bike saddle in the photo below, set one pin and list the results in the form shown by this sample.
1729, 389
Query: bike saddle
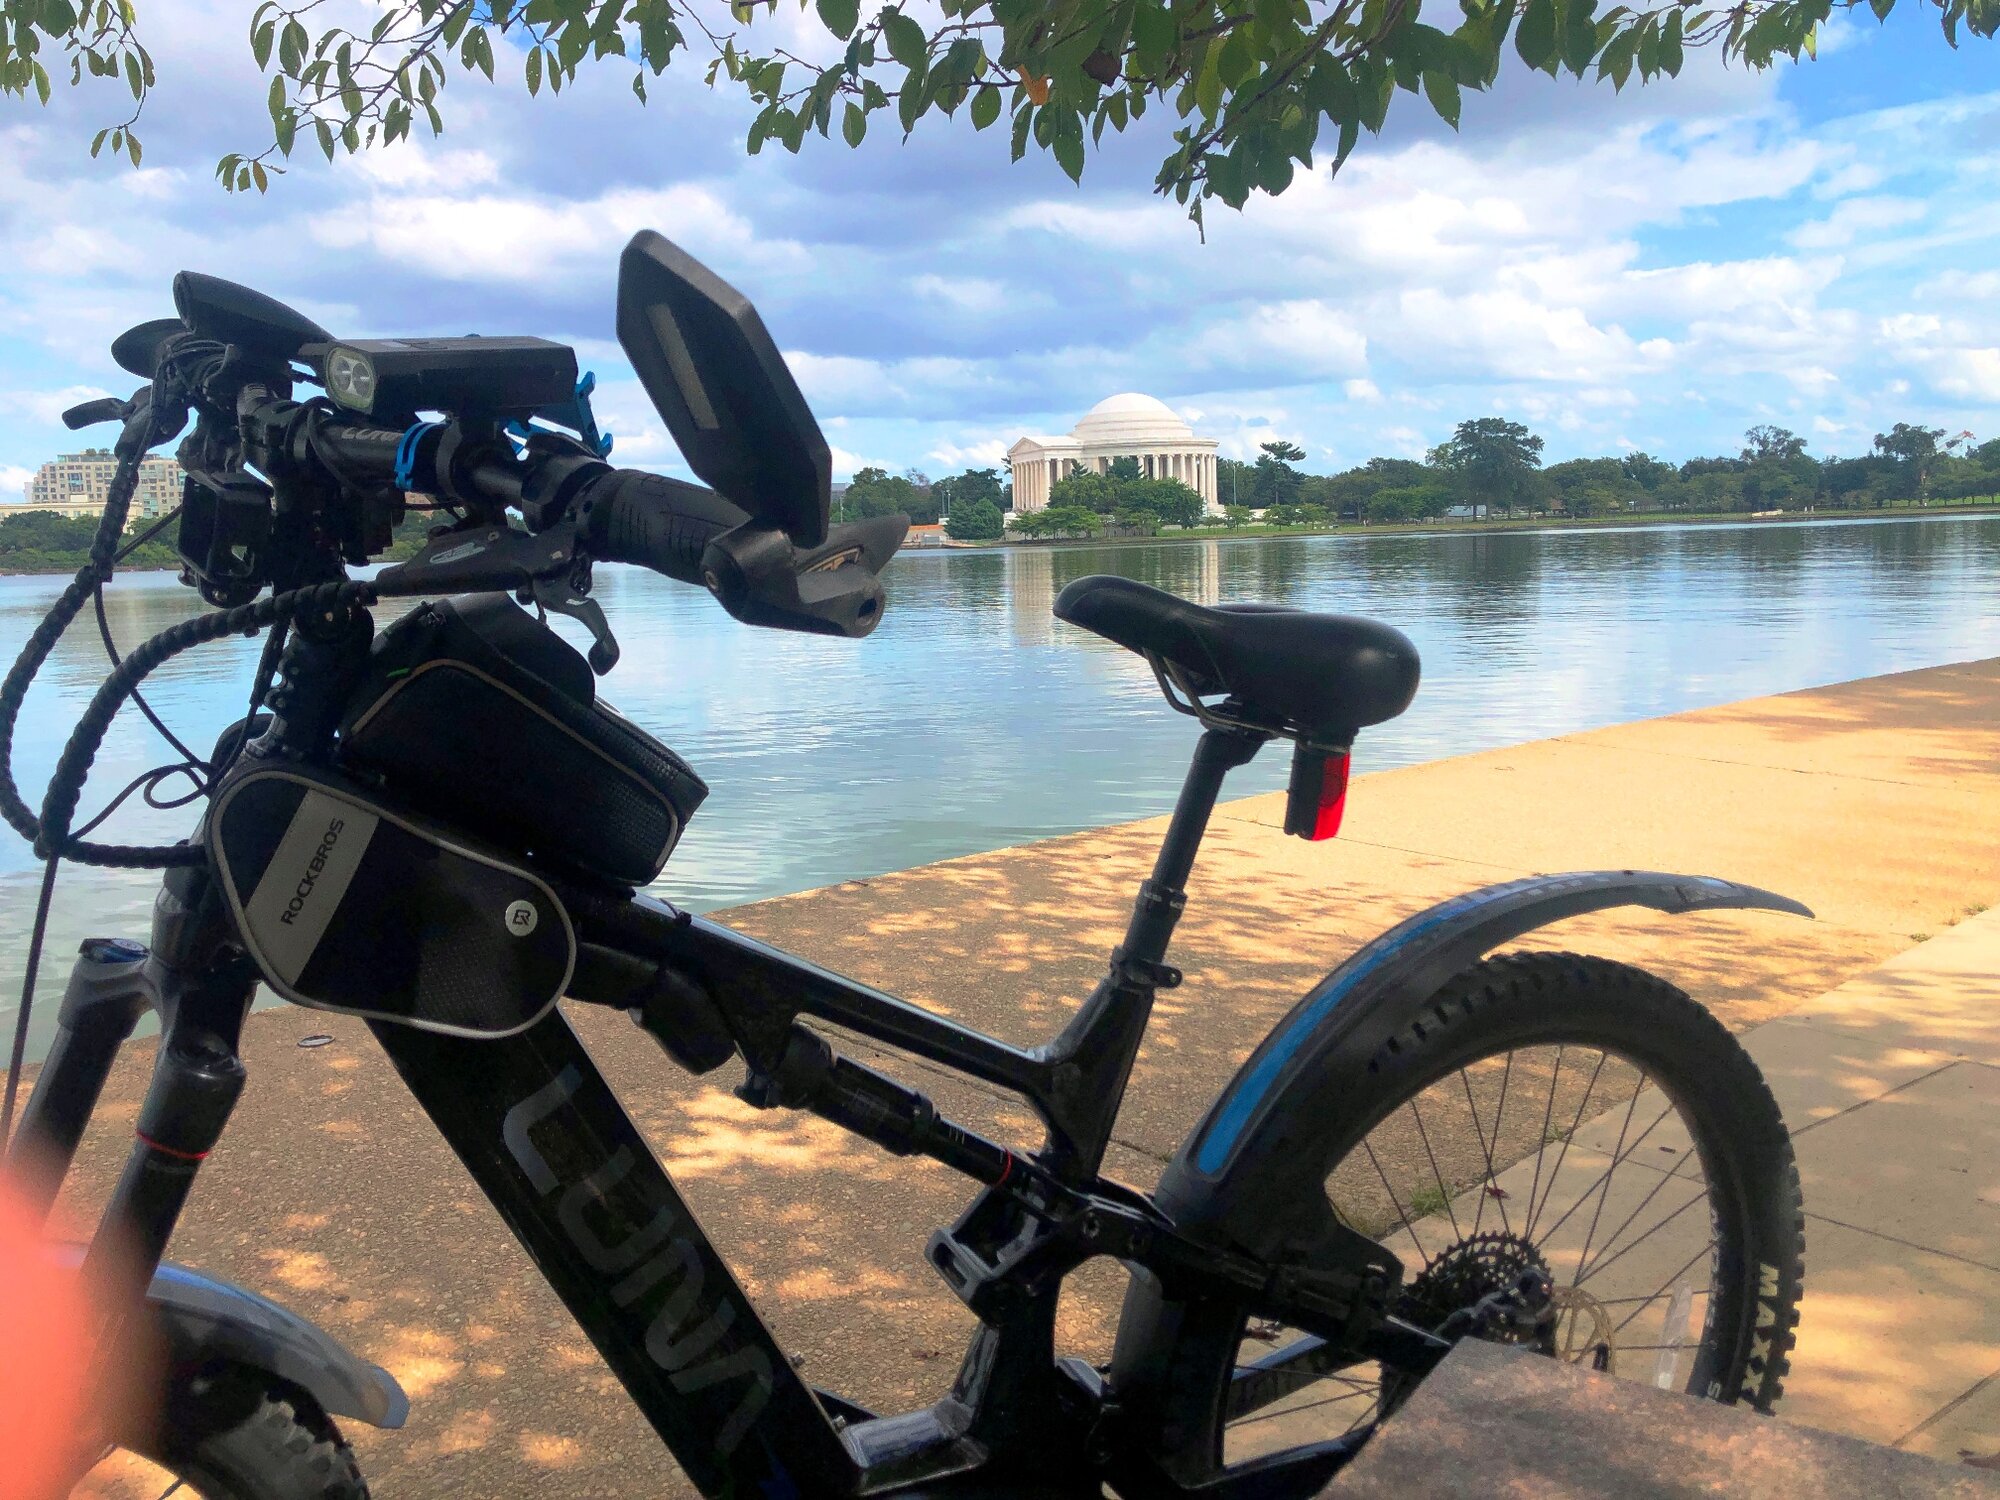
1324, 676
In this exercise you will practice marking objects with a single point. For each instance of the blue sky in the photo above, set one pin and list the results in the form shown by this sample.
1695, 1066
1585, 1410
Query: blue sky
1818, 247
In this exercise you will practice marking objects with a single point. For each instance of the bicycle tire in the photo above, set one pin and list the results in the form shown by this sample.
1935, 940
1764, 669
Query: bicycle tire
241, 1436
1508, 1007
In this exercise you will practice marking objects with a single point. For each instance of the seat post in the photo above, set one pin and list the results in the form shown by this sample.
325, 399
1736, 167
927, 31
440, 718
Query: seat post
1091, 1061
1161, 898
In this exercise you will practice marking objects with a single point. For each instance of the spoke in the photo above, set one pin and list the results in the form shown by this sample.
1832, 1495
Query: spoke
1444, 1189
1617, 1155
1394, 1202
1535, 1209
1584, 1273
171, 1488
1660, 1290
1624, 1155
1485, 1150
1293, 1411
1542, 1149
1699, 1197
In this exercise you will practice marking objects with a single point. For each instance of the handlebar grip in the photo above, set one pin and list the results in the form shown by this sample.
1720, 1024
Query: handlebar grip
656, 522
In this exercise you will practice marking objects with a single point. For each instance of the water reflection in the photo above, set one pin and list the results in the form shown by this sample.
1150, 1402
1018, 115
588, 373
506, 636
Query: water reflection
972, 719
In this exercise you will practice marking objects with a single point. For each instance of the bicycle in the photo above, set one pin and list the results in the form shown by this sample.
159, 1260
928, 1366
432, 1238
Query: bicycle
438, 827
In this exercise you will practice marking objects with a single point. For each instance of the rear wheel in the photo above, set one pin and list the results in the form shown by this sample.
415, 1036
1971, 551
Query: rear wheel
1566, 1116
231, 1437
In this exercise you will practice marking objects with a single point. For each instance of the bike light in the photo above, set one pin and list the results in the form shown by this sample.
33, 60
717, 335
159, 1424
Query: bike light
393, 379
1317, 797
350, 378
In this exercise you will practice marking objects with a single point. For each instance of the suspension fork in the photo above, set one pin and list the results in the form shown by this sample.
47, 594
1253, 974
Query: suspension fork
202, 988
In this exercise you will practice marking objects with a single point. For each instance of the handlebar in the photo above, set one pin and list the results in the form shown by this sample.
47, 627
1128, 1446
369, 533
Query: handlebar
677, 529
656, 522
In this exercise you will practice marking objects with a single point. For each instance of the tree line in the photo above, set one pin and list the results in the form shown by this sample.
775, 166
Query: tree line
1491, 467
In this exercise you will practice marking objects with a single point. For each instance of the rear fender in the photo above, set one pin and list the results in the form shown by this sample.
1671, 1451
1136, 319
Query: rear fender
1330, 1036
205, 1321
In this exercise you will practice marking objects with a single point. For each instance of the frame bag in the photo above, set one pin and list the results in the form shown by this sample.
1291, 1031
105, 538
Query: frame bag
349, 905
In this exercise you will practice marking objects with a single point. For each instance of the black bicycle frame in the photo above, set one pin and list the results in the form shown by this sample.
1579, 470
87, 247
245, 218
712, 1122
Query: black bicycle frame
536, 1124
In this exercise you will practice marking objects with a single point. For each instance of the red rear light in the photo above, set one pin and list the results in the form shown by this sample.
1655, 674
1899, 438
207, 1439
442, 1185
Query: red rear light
1318, 794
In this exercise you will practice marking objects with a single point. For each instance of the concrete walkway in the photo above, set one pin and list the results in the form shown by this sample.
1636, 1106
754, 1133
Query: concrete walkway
1877, 802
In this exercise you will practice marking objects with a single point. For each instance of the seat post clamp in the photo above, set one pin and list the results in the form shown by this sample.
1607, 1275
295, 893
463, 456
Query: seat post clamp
1143, 973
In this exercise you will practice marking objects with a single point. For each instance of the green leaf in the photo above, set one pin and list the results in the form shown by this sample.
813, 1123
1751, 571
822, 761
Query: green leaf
132, 78
260, 43
260, 176
910, 101
906, 39
1023, 118
1442, 90
1153, 35
41, 82
534, 71
1616, 61
1579, 42
1068, 151
1670, 46
839, 16
1535, 38
853, 124
97, 142
986, 107
325, 137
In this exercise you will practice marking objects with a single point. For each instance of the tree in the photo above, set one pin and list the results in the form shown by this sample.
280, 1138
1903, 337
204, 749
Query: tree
876, 492
962, 489
1235, 483
1646, 471
1492, 457
1172, 502
1260, 89
1086, 488
1915, 448
1274, 481
1238, 515
1780, 443
974, 520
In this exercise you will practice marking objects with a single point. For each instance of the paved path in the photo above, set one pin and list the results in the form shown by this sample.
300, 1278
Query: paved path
1877, 802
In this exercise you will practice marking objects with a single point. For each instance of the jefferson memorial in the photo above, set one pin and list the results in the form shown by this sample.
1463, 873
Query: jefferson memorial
1125, 426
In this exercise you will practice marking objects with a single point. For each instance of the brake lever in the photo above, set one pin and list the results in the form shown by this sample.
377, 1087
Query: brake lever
562, 595
485, 557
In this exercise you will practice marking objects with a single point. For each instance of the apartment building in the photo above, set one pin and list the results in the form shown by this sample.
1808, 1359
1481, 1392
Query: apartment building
78, 484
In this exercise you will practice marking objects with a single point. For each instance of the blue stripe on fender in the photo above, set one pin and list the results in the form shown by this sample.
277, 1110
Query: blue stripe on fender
1227, 1123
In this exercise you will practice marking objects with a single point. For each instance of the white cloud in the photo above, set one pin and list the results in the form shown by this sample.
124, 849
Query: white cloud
1361, 390
497, 238
1852, 217
990, 453
1299, 340
14, 483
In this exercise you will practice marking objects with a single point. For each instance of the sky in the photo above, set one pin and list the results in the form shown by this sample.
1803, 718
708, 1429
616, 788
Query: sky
1816, 246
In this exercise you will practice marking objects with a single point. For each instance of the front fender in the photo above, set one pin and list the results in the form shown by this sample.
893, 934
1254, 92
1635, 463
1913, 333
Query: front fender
204, 1320
1343, 1020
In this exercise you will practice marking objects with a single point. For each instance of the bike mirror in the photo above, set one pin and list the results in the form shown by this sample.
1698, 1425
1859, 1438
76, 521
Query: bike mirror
722, 388
261, 326
138, 349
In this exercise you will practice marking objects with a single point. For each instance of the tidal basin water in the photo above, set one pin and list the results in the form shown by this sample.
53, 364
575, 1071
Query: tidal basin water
972, 719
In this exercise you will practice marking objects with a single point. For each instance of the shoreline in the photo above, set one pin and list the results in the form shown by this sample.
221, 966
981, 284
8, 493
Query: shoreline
1653, 522
1645, 522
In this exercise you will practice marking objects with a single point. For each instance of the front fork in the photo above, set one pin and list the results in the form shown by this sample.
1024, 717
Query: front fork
202, 991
